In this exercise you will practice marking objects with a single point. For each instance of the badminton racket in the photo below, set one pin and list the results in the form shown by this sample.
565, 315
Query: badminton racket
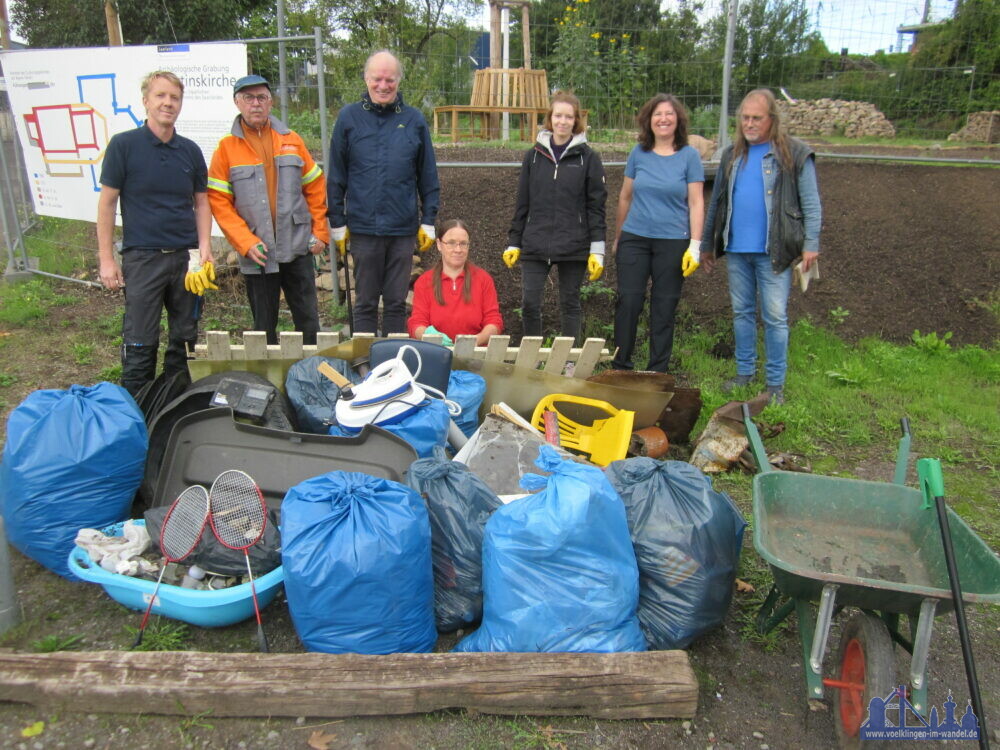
179, 534
238, 518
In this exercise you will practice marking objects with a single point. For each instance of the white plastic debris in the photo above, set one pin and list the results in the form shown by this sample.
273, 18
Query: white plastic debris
118, 554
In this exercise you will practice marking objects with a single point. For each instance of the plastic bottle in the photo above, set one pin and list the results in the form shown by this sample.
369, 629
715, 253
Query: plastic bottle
193, 578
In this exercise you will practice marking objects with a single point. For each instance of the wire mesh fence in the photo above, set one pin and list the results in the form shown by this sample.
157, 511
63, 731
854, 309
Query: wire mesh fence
924, 75
924, 66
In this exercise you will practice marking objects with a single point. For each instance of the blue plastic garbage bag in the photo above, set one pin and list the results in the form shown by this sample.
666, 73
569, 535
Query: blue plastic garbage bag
356, 552
73, 460
687, 540
559, 573
425, 429
459, 504
312, 394
467, 390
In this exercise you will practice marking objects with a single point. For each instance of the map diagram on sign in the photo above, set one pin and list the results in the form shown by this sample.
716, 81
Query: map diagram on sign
72, 136
68, 104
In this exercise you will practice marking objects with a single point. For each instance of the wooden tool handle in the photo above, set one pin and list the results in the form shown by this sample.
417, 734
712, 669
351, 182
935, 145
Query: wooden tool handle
339, 380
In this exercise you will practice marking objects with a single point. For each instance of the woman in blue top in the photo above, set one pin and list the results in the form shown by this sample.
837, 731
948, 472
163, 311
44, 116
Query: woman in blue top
660, 212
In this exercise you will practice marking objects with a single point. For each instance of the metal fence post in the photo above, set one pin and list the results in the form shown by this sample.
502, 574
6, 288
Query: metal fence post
323, 141
727, 67
282, 72
16, 254
10, 607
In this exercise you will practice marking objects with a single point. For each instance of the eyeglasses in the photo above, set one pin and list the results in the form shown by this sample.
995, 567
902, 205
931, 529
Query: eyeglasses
251, 98
452, 244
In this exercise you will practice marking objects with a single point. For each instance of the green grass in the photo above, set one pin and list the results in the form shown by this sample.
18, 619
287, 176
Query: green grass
83, 354
845, 400
161, 635
871, 140
52, 643
62, 246
112, 374
23, 303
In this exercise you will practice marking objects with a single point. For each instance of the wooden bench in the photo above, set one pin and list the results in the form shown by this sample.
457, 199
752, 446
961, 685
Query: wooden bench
479, 120
522, 92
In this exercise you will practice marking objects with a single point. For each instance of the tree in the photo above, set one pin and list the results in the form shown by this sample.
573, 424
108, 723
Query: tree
80, 23
970, 37
768, 34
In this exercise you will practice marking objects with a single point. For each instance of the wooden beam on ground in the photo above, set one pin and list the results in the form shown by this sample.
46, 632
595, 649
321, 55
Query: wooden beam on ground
652, 685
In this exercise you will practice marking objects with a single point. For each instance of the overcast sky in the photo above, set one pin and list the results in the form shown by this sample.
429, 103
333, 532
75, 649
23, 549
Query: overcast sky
864, 26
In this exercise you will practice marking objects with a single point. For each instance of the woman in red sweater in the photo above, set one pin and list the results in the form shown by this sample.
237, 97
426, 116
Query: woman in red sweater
455, 297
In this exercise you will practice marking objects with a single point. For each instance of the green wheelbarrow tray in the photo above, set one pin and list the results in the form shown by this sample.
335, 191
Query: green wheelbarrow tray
836, 542
872, 539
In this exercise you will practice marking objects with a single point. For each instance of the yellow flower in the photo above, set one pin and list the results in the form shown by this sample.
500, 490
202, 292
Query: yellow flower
641, 49
578, 24
625, 36
613, 40
596, 35
569, 8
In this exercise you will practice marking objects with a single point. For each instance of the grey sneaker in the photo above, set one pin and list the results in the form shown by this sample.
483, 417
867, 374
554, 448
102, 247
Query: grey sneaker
776, 394
734, 383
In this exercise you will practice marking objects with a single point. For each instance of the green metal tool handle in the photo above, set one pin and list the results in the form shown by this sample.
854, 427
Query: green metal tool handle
756, 444
931, 481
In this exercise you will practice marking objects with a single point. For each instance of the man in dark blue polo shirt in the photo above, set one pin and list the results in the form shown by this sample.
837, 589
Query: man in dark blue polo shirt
161, 179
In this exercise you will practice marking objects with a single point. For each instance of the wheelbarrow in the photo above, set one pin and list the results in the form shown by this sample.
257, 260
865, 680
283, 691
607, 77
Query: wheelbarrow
833, 543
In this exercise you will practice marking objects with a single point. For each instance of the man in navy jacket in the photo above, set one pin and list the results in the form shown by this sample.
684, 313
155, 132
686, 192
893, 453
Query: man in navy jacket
381, 161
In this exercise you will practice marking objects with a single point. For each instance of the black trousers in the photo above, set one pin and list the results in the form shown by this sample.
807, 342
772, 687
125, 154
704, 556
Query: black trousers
154, 279
534, 274
297, 279
638, 259
382, 268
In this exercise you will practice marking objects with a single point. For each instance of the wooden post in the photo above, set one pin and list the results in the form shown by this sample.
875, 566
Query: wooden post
4, 26
651, 685
114, 23
495, 60
526, 35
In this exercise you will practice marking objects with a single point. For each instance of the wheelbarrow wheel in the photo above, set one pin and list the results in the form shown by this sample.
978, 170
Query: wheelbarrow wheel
867, 669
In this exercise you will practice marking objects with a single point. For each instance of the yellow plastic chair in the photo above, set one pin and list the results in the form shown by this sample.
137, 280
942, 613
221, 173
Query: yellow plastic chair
605, 440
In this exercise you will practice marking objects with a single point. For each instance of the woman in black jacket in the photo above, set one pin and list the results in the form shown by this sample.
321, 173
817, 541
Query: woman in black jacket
559, 217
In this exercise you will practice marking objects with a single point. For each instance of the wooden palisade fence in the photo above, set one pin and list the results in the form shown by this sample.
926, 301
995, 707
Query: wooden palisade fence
529, 353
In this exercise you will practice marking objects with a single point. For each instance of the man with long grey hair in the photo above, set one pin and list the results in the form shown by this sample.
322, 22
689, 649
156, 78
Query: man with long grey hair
765, 215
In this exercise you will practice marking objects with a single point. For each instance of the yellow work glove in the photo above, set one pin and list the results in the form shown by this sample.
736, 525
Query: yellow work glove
199, 276
692, 257
595, 266
510, 256
340, 236
425, 238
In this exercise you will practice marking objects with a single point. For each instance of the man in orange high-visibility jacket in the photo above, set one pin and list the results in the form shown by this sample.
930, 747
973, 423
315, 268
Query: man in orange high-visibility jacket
269, 197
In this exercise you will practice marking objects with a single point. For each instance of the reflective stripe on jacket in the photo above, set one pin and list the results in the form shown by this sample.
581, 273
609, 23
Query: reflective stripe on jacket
237, 192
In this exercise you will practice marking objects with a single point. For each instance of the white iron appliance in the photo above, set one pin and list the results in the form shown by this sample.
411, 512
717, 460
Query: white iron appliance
388, 394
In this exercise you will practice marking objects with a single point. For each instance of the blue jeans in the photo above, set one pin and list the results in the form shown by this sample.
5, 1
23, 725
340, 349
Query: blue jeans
750, 274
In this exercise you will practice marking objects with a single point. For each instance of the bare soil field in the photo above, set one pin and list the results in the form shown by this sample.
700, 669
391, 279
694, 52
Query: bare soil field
905, 247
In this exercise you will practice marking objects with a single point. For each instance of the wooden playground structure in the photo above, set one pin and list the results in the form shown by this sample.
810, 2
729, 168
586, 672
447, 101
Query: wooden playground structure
522, 93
